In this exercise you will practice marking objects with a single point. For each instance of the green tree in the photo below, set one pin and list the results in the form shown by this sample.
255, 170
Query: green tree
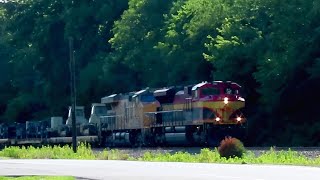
134, 38
6, 90
38, 33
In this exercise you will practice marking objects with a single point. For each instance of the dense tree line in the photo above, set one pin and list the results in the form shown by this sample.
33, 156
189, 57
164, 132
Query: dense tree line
270, 47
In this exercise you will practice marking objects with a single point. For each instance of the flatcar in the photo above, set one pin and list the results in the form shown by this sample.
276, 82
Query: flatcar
194, 115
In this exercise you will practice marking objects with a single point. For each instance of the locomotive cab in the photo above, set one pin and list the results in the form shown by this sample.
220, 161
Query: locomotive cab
80, 118
232, 90
219, 101
97, 110
217, 88
206, 90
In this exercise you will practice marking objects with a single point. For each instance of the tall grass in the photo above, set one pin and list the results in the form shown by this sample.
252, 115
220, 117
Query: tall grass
84, 151
37, 178
205, 156
213, 156
48, 152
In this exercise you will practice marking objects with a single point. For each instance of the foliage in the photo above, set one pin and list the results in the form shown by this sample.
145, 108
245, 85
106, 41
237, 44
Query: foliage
38, 34
231, 147
206, 155
60, 152
47, 152
134, 38
37, 178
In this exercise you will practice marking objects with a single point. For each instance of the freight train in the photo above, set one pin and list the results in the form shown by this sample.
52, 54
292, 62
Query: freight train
195, 115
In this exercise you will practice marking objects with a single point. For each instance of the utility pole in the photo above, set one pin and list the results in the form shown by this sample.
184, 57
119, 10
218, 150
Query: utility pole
73, 95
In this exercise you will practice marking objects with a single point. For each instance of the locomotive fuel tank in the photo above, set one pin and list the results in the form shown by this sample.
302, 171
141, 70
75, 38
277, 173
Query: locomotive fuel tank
121, 138
176, 138
176, 135
177, 129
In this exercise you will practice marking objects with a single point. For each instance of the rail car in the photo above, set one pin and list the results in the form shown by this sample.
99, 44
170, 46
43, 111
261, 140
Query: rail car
194, 115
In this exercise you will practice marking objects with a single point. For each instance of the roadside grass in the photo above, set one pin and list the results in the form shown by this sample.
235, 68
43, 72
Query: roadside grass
205, 156
84, 151
212, 156
37, 178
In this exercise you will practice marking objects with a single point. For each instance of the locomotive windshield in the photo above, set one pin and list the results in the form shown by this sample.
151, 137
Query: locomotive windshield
78, 112
231, 91
210, 91
147, 98
100, 110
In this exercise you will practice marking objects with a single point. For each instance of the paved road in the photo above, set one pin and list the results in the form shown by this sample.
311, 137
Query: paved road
128, 170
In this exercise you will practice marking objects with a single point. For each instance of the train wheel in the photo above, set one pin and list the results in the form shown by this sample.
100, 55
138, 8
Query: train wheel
138, 141
190, 131
212, 138
149, 137
109, 141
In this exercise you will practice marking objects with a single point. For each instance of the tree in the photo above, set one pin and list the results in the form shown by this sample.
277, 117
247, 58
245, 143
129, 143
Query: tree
38, 34
134, 38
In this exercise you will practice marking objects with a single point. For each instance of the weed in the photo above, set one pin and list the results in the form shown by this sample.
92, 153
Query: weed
231, 148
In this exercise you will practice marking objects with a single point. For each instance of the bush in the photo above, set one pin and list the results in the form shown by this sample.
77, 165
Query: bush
231, 147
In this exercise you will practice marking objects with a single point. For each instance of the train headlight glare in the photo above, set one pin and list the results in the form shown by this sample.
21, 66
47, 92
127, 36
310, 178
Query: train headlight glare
238, 119
217, 119
226, 100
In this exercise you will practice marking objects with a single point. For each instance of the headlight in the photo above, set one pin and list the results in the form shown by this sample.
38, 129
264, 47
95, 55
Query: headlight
226, 100
217, 119
238, 119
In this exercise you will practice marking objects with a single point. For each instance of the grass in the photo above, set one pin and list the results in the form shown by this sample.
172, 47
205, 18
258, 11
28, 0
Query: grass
212, 156
37, 178
57, 152
205, 156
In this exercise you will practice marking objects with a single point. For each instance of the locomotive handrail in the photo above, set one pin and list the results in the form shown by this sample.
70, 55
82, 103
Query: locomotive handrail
110, 116
156, 112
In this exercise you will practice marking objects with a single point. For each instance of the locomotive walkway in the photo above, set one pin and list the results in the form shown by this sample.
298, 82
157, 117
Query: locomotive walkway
124, 170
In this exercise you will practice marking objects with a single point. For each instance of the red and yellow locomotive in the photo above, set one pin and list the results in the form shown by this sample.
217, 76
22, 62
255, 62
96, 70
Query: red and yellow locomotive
192, 115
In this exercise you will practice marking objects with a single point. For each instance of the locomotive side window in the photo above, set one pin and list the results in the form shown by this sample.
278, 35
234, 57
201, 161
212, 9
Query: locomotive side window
108, 107
210, 91
195, 94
